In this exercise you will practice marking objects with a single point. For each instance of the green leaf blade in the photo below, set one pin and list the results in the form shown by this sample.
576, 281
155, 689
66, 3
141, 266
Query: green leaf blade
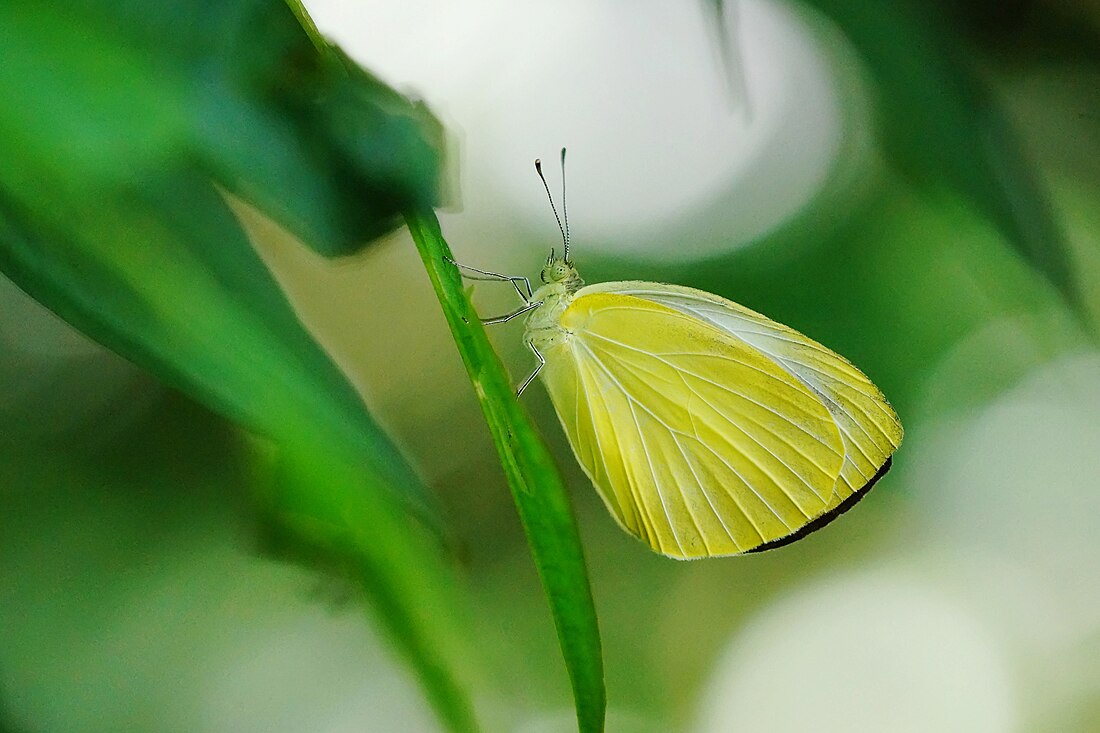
125, 123
537, 488
193, 303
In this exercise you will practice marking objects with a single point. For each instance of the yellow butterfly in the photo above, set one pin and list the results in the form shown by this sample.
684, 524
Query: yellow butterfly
707, 428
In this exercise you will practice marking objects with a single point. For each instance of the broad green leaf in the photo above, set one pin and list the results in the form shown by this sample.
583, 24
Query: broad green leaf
120, 122
116, 114
537, 488
104, 92
167, 279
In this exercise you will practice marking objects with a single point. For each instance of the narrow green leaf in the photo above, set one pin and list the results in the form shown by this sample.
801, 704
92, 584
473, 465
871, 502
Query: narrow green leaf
537, 488
720, 18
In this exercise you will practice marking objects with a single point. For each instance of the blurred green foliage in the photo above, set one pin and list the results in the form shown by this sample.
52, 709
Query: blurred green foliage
942, 127
126, 126
111, 217
234, 89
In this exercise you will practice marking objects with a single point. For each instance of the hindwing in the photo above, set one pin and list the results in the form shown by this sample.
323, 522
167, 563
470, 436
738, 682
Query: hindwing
699, 443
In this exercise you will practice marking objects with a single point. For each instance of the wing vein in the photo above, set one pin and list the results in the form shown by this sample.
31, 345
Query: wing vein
706, 496
653, 474
681, 370
642, 513
632, 401
748, 435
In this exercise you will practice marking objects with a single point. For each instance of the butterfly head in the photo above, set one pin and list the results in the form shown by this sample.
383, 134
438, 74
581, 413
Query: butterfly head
559, 270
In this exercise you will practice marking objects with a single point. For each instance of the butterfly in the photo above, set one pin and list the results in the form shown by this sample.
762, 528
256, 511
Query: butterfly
707, 428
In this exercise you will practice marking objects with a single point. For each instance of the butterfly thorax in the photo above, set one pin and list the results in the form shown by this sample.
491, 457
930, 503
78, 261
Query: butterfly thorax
561, 283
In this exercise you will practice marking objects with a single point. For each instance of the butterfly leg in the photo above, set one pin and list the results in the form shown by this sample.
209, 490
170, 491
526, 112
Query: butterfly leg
531, 305
494, 276
532, 375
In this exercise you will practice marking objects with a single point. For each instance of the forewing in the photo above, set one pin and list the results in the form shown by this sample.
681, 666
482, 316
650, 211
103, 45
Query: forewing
868, 424
698, 443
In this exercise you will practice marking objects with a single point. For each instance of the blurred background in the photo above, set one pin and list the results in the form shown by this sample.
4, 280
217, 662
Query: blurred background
915, 185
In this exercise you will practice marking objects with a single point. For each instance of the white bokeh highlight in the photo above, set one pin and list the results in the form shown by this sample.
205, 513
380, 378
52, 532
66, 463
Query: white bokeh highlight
871, 652
1019, 482
666, 161
983, 613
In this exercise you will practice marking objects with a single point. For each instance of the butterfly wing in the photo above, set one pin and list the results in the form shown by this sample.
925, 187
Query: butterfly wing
868, 424
699, 444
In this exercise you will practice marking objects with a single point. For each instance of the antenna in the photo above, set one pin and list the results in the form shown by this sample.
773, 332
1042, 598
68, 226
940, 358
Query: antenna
564, 236
564, 210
